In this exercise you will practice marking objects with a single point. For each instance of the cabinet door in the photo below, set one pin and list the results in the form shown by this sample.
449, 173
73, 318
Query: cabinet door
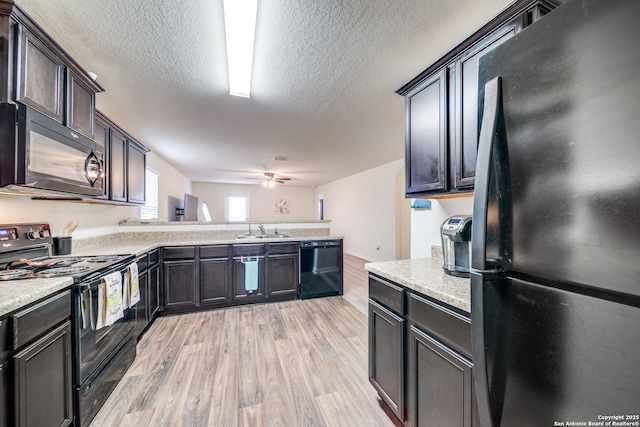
117, 166
215, 276
153, 293
240, 292
4, 396
39, 76
43, 385
180, 284
282, 275
81, 105
386, 356
426, 135
136, 164
142, 316
440, 389
468, 115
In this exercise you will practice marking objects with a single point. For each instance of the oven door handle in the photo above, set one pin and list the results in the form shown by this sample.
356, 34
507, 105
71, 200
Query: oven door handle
93, 284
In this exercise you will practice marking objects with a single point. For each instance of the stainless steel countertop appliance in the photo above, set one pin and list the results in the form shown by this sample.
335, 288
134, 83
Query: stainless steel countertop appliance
456, 245
101, 356
555, 289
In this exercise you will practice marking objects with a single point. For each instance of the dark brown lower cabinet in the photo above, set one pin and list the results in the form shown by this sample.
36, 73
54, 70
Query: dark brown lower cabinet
180, 284
215, 275
142, 319
243, 293
42, 382
283, 276
386, 356
4, 395
153, 295
440, 391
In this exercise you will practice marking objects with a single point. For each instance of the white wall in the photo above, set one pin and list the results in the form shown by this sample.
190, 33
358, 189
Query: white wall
425, 224
262, 200
171, 184
94, 219
362, 208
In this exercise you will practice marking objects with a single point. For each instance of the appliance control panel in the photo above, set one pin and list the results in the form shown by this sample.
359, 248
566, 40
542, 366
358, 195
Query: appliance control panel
16, 236
8, 233
456, 224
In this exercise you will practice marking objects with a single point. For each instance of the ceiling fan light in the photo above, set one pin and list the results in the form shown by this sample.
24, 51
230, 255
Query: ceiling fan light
272, 184
240, 29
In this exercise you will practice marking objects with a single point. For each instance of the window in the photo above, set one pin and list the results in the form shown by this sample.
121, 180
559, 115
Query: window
150, 209
236, 207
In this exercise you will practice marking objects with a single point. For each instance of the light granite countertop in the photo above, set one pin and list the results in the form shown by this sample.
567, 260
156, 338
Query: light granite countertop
15, 294
141, 246
427, 277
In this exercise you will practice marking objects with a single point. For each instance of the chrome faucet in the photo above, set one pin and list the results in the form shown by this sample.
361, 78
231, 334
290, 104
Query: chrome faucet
261, 227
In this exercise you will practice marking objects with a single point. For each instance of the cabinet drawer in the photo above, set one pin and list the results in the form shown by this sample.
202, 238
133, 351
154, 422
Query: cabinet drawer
214, 251
180, 252
283, 248
34, 321
447, 325
154, 257
239, 250
387, 294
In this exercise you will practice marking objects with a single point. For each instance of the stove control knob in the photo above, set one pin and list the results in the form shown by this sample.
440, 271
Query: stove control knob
41, 234
33, 235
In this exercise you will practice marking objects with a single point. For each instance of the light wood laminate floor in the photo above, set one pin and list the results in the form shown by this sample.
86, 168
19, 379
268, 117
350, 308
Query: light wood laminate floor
297, 363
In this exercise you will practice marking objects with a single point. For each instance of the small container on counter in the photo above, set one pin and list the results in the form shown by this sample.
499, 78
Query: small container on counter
62, 245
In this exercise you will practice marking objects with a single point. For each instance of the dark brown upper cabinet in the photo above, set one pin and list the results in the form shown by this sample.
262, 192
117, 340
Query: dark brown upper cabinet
117, 166
136, 167
126, 162
81, 105
39, 75
36, 71
442, 113
426, 136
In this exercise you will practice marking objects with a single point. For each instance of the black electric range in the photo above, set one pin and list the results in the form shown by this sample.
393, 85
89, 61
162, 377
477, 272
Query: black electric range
101, 354
33, 242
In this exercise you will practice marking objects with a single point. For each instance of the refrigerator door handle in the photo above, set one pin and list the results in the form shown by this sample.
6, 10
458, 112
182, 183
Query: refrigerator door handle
480, 372
492, 104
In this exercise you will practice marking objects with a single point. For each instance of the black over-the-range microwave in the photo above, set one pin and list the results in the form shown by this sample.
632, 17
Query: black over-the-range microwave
38, 153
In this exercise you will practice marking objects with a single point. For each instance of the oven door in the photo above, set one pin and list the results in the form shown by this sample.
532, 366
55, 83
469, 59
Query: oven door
51, 156
94, 347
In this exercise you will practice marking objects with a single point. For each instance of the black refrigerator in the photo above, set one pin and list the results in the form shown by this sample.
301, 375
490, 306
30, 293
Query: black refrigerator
556, 240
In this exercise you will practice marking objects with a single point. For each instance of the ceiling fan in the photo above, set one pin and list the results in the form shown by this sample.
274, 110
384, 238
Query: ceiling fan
270, 179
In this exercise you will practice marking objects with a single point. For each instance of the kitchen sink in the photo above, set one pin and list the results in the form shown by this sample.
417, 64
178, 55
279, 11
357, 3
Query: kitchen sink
261, 236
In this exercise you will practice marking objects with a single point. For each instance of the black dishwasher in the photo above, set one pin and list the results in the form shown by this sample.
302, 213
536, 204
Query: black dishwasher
320, 268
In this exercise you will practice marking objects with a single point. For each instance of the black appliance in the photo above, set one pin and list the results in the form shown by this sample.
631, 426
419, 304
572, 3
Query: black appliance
37, 153
101, 356
320, 268
556, 240
455, 232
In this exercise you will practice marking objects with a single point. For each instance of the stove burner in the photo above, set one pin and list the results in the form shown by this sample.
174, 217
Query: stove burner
63, 271
14, 274
65, 261
103, 258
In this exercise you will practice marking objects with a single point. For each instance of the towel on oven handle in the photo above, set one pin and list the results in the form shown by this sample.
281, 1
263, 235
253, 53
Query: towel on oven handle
109, 300
134, 284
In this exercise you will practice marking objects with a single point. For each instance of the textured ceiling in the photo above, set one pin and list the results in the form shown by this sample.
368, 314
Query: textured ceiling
324, 77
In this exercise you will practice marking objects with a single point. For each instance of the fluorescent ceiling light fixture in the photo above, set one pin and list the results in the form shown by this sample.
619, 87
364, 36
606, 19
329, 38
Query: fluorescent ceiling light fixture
240, 29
